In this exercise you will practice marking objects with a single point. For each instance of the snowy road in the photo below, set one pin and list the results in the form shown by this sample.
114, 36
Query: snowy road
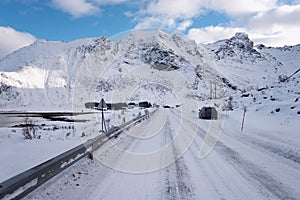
237, 167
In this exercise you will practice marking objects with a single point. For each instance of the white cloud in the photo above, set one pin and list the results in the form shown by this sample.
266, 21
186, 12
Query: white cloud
276, 27
287, 16
129, 14
174, 14
76, 8
190, 8
240, 7
175, 8
212, 33
183, 10
149, 22
105, 2
11, 40
80, 8
276, 39
184, 25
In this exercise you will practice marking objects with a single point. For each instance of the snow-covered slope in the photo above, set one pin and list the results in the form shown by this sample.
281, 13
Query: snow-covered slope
44, 75
145, 65
241, 63
39, 76
288, 56
254, 72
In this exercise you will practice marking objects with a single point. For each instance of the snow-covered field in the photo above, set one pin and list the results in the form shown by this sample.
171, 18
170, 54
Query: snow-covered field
253, 164
52, 138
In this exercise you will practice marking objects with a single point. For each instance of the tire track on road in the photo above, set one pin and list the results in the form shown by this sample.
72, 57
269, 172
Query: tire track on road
177, 176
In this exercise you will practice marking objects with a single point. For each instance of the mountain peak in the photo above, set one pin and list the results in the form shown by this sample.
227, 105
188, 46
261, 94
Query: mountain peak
241, 40
241, 36
238, 45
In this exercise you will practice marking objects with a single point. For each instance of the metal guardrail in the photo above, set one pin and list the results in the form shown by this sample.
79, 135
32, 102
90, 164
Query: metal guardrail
24, 183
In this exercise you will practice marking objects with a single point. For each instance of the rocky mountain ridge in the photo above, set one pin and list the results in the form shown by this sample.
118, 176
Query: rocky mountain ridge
150, 65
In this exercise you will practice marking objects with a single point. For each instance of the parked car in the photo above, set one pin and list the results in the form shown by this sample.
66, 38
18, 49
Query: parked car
208, 113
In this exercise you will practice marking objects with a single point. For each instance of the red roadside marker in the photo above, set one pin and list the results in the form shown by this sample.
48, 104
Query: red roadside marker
245, 110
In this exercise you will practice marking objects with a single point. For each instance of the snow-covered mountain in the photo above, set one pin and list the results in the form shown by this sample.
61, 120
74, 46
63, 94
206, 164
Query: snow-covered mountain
145, 65
257, 73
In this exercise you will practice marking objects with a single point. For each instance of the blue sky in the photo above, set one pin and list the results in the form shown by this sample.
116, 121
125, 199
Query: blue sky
271, 22
42, 20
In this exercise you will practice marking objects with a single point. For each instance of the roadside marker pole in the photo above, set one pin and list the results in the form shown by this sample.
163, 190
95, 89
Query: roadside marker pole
245, 110
102, 106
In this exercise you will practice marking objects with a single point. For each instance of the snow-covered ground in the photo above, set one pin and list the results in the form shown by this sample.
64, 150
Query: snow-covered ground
253, 164
189, 158
52, 138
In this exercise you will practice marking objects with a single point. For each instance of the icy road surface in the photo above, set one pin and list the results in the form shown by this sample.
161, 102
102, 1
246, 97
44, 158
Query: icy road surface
237, 167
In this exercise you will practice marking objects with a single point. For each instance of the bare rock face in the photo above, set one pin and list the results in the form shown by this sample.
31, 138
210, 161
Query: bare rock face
162, 59
239, 45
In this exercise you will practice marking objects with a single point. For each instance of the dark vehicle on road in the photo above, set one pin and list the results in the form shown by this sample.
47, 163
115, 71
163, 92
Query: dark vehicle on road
208, 113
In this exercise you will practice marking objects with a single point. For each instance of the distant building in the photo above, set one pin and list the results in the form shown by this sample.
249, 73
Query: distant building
91, 105
108, 106
145, 104
119, 106
131, 105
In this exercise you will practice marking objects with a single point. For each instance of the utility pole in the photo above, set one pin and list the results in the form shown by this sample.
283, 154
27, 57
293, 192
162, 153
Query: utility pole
215, 90
210, 90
